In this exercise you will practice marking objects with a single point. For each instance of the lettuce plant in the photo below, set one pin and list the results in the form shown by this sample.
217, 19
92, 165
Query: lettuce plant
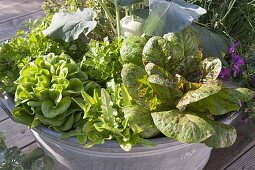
45, 91
110, 114
182, 91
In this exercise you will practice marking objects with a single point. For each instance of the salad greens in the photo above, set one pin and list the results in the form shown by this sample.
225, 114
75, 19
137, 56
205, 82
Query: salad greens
45, 91
110, 70
160, 86
107, 115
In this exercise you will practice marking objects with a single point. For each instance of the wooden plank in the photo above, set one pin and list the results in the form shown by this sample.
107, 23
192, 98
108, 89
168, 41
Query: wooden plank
246, 162
6, 3
30, 148
16, 134
19, 9
9, 29
3, 115
222, 158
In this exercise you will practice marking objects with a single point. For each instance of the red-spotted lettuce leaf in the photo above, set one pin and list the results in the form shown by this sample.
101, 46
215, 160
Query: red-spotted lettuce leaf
226, 100
190, 127
206, 90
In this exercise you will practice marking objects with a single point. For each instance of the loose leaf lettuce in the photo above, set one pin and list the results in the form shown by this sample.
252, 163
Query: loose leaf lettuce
135, 80
50, 110
68, 26
170, 16
157, 51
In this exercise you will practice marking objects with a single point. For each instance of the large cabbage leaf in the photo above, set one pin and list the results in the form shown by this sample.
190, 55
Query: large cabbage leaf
213, 44
170, 16
68, 26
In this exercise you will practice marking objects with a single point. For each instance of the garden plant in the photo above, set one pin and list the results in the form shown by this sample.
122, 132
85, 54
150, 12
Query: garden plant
131, 70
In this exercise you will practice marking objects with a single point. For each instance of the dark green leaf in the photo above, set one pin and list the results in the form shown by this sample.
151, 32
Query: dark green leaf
213, 44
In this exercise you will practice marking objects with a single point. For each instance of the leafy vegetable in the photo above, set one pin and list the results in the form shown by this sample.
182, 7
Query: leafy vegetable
170, 16
187, 127
25, 47
108, 117
204, 91
12, 158
226, 100
189, 84
140, 118
224, 136
101, 62
213, 44
68, 26
44, 92
132, 49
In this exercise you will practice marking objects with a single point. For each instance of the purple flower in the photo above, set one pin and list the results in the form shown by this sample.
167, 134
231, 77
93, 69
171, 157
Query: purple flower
233, 47
225, 73
237, 59
236, 69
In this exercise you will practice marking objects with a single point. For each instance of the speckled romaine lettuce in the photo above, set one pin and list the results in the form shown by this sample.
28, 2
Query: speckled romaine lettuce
175, 75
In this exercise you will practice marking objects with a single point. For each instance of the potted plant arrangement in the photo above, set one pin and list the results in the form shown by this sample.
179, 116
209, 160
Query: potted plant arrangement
140, 83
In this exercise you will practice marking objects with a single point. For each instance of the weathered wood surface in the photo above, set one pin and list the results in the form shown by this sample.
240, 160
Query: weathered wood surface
3, 116
14, 13
16, 134
246, 162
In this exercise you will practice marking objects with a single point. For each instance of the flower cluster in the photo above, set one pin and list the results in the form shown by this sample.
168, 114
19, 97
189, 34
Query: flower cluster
236, 63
